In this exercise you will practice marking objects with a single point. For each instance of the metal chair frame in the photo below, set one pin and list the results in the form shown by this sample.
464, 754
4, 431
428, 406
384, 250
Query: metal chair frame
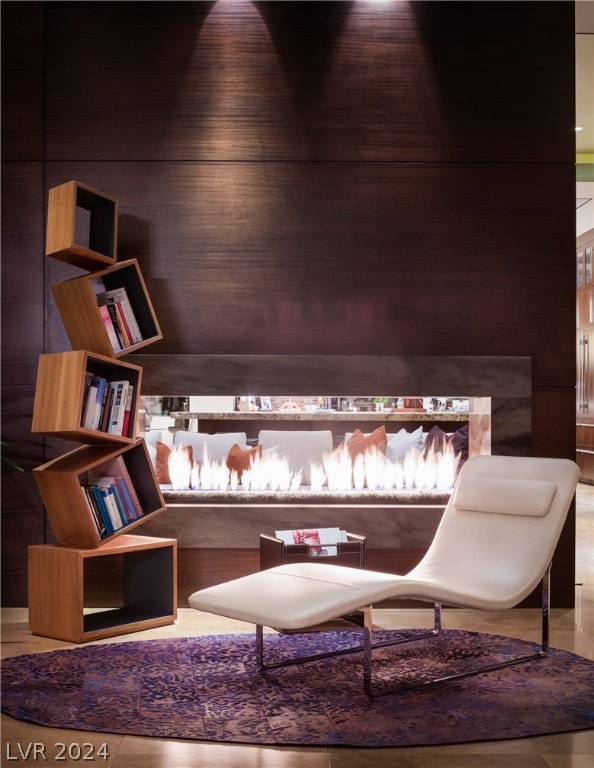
369, 646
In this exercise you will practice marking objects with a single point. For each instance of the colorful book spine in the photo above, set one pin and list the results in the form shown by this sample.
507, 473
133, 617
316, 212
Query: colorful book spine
94, 509
109, 328
122, 486
112, 508
126, 424
100, 502
122, 314
116, 417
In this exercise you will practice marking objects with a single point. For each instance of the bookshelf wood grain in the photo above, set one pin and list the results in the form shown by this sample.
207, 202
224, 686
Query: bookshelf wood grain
148, 589
87, 241
77, 304
60, 394
60, 484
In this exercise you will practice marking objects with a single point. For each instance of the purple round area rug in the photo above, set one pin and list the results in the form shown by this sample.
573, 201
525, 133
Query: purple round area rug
210, 688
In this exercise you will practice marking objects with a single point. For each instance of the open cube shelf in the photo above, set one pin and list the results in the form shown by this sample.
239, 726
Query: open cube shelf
77, 397
146, 567
81, 226
78, 301
77, 515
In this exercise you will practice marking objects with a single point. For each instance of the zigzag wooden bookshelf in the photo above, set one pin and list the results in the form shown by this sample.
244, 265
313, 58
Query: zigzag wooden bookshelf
96, 494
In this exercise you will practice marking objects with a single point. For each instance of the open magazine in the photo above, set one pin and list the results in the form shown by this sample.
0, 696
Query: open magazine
322, 542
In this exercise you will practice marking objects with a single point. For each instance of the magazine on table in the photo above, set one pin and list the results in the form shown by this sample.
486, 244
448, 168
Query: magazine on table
322, 542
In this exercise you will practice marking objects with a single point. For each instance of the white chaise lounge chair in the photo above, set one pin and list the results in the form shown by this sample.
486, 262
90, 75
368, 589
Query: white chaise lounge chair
493, 546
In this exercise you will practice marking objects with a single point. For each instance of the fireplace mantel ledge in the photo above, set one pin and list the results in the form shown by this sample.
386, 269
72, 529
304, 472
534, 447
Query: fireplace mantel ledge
380, 416
304, 497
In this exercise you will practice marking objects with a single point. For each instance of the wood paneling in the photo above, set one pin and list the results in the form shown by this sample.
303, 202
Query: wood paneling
22, 510
22, 342
368, 258
23, 270
23, 64
428, 82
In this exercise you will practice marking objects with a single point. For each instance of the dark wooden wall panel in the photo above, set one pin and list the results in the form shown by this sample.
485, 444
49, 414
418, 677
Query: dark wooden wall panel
330, 81
358, 258
298, 178
22, 342
23, 49
23, 284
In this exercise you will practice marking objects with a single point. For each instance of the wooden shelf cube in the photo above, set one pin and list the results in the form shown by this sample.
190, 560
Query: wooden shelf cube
82, 226
62, 392
148, 589
61, 485
79, 308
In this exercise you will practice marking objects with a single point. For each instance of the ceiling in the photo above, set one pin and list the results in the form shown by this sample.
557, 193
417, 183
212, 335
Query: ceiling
584, 111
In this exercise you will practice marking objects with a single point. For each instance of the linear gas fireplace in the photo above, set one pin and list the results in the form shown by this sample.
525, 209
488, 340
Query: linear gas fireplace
491, 399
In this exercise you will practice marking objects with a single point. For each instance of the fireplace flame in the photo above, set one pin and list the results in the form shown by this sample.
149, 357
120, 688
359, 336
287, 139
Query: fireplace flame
180, 468
372, 470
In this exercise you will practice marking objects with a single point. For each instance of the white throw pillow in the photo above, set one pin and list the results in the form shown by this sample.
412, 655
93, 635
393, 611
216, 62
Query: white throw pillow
299, 447
402, 442
217, 446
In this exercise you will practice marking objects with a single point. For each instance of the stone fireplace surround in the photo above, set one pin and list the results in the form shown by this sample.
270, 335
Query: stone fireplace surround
504, 383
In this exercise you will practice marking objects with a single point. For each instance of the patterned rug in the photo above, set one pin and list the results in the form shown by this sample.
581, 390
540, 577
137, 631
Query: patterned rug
209, 688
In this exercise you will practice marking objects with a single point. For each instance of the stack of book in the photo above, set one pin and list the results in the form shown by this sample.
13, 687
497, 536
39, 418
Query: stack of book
118, 316
111, 497
107, 405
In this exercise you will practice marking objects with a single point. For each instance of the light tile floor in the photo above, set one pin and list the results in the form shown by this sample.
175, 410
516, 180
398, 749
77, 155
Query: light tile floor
572, 630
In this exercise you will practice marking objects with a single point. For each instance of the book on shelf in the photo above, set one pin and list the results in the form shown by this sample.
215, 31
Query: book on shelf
131, 511
86, 392
99, 510
107, 405
94, 401
104, 423
109, 509
121, 314
111, 330
118, 404
128, 411
113, 510
321, 542
116, 472
95, 510
111, 497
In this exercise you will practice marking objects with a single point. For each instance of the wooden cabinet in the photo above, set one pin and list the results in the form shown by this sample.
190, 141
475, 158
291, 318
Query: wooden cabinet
77, 301
585, 358
81, 226
148, 592
65, 394
62, 483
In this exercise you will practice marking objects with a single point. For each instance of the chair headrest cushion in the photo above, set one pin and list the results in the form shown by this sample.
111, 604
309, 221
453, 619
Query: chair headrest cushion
531, 498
